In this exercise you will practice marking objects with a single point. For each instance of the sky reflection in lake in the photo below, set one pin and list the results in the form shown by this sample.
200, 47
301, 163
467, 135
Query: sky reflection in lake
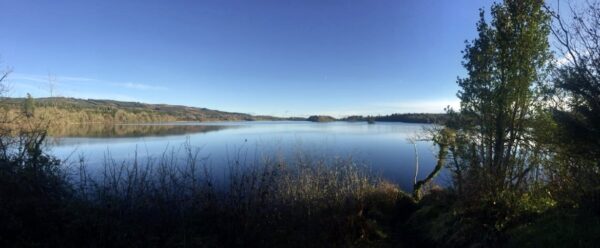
381, 146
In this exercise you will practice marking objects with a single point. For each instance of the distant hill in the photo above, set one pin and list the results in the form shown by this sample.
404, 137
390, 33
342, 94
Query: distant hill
73, 110
64, 110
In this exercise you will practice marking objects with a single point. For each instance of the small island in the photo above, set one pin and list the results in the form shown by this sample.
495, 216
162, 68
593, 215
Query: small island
321, 118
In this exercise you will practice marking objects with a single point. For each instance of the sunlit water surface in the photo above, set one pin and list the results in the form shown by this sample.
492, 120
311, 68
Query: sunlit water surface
383, 147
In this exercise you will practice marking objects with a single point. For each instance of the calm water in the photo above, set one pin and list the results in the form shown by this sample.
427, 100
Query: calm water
381, 146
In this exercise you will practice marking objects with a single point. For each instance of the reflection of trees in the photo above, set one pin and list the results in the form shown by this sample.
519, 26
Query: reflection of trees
99, 130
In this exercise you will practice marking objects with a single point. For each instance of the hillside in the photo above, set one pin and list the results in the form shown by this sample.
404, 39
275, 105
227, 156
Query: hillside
72, 110
63, 110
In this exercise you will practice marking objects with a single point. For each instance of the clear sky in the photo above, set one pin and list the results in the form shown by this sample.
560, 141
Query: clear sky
285, 58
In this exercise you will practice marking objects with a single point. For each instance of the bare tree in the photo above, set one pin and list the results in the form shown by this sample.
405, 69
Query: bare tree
413, 141
578, 38
3, 77
577, 82
443, 138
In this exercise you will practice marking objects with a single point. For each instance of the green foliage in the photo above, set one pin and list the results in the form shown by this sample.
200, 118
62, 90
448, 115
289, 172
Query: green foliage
494, 143
500, 143
525, 174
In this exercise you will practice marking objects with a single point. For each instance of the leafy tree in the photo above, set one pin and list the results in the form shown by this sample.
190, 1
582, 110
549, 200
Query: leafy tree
495, 145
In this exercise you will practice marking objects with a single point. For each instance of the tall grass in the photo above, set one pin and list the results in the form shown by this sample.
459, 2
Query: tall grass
176, 199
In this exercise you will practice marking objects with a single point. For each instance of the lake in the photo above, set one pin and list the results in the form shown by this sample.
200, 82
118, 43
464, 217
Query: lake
383, 147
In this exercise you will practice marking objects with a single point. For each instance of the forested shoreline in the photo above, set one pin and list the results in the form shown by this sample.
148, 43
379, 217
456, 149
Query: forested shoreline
65, 111
78, 111
407, 117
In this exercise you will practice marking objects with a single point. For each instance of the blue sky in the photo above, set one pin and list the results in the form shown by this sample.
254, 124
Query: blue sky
285, 58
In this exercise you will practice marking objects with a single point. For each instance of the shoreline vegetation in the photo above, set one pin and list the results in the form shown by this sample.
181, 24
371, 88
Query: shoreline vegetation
175, 200
424, 118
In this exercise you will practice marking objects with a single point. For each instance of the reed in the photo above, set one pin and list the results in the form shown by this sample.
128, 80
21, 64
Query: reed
268, 201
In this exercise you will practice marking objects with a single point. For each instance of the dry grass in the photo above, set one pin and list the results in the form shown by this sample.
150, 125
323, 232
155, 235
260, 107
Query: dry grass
175, 199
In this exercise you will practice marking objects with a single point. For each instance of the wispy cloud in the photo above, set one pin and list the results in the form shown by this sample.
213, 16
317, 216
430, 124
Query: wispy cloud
92, 95
69, 80
23, 86
46, 78
140, 86
77, 79
25, 77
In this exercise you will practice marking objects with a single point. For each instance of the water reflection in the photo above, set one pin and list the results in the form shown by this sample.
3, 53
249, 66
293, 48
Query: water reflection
382, 146
131, 130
